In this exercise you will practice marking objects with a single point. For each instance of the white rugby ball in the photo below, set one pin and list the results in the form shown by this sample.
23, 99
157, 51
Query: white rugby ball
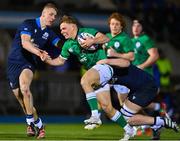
81, 37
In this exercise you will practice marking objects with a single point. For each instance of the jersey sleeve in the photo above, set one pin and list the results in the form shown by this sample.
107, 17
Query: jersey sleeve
65, 51
149, 43
128, 45
26, 28
92, 31
54, 39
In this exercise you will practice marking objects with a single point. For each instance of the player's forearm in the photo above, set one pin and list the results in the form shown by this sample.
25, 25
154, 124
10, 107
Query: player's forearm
100, 39
55, 62
153, 57
149, 62
29, 46
120, 62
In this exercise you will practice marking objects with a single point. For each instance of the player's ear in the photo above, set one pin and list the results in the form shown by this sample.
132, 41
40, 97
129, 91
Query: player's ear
74, 27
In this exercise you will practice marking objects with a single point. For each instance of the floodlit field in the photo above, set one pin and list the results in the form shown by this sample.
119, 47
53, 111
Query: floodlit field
75, 132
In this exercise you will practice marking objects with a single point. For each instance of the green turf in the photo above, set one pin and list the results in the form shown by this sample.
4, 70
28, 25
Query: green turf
75, 132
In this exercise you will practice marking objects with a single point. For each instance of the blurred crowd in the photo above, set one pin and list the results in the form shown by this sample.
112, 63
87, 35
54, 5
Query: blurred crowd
161, 16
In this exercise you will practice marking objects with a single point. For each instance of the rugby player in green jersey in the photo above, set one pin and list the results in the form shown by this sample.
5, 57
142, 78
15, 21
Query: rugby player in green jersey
146, 55
120, 45
84, 43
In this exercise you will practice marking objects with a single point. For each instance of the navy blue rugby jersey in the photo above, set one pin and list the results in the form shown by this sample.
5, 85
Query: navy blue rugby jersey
42, 38
132, 77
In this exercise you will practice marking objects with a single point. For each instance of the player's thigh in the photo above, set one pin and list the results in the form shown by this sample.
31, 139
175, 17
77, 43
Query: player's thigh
122, 98
121, 89
91, 76
13, 72
142, 97
25, 77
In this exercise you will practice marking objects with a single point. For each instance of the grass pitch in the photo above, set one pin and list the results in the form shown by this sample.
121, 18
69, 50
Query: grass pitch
75, 132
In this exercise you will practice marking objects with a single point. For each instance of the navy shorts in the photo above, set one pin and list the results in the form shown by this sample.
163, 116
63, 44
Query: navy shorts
145, 95
13, 72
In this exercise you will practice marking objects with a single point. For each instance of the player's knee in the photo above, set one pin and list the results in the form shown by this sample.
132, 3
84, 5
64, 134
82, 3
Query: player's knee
25, 89
85, 82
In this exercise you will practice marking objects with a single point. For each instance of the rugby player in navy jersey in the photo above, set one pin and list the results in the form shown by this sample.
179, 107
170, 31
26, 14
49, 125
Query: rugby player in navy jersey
27, 49
142, 90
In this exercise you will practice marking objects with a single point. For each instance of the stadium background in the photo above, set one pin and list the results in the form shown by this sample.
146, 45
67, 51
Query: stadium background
57, 93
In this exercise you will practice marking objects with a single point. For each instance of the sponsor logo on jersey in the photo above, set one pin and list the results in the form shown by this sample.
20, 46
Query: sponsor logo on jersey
84, 59
117, 44
138, 44
45, 35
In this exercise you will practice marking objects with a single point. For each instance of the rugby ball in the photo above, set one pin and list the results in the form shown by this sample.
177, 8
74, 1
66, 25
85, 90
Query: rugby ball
81, 37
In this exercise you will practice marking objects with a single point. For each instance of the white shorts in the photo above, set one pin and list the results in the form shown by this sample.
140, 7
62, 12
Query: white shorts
120, 89
105, 73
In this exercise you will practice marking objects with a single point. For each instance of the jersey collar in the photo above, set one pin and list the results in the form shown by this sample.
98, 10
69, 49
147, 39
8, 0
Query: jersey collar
77, 34
38, 22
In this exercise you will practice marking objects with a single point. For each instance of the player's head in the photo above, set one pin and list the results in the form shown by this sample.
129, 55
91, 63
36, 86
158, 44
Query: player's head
68, 27
116, 23
49, 14
137, 27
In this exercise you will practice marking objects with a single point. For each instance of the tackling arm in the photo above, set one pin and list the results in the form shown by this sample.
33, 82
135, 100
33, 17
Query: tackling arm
120, 62
59, 61
112, 53
100, 38
28, 45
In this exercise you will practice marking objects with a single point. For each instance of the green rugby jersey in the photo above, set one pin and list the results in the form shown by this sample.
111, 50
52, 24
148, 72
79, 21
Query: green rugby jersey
142, 44
86, 57
121, 43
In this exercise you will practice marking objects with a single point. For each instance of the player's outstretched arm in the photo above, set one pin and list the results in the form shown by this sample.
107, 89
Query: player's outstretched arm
29, 46
55, 62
